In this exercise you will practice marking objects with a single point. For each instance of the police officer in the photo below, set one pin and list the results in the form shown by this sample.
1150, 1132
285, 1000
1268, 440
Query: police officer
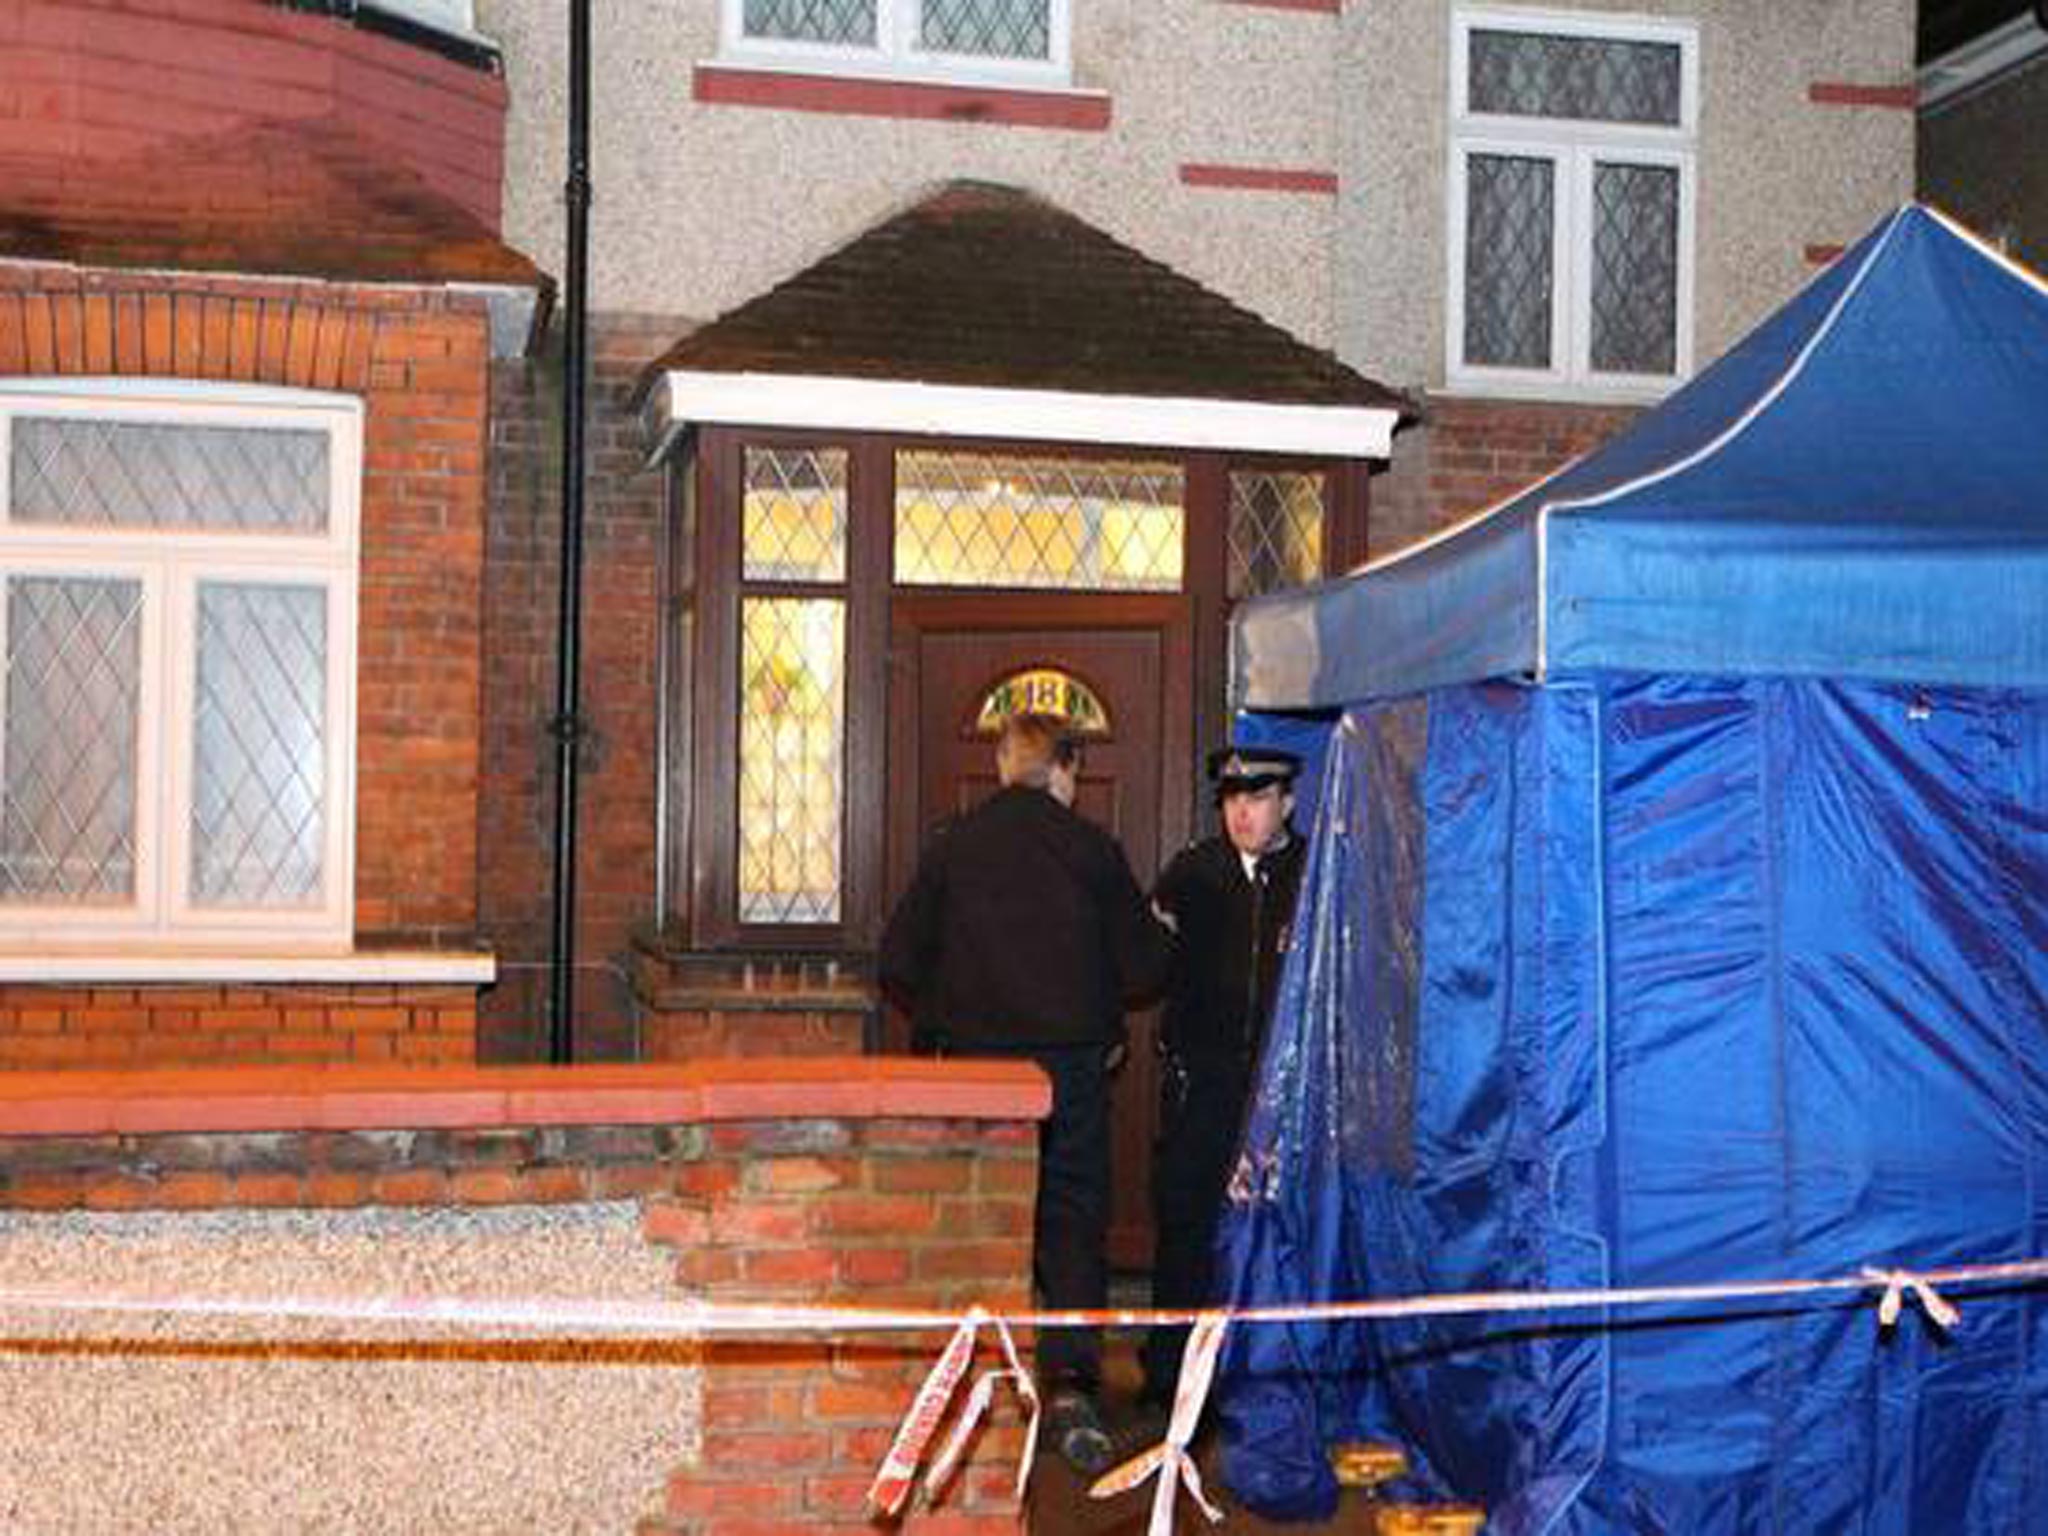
1229, 901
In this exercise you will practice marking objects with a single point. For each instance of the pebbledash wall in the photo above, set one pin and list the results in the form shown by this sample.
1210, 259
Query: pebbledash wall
863, 1182
1805, 139
419, 359
1295, 156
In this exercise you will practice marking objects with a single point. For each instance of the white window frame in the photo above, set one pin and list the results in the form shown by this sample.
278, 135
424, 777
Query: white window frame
1574, 148
454, 18
896, 54
171, 563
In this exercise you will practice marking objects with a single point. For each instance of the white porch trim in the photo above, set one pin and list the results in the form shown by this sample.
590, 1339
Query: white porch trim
821, 402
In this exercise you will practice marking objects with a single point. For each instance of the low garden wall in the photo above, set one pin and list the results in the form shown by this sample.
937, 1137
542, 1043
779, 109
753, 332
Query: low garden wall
862, 1181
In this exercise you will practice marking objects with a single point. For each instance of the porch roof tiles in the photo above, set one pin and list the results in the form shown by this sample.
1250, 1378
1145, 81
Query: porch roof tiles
302, 198
992, 287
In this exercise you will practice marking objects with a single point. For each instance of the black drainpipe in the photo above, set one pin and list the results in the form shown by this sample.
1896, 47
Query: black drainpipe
567, 725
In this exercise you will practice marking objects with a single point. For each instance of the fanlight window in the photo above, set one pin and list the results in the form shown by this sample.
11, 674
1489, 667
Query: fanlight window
1000, 520
1044, 691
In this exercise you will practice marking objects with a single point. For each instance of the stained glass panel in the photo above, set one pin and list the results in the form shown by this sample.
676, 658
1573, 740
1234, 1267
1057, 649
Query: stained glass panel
811, 21
83, 472
1600, 79
1276, 531
1635, 268
1509, 235
1003, 29
67, 788
259, 745
795, 514
986, 520
792, 734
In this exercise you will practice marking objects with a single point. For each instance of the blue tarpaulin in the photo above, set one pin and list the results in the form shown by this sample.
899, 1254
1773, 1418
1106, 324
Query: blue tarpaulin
1677, 912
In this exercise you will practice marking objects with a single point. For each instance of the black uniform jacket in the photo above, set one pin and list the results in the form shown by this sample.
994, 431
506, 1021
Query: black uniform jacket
1232, 934
1023, 927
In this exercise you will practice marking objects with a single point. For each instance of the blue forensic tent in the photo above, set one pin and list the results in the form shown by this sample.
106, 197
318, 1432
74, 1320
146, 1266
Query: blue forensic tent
1677, 911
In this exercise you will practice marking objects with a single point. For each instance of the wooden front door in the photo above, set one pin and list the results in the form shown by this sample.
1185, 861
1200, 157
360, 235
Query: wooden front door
1132, 654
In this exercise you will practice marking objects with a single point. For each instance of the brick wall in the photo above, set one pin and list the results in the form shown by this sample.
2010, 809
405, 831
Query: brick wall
43, 1027
623, 503
853, 1181
693, 1034
882, 1213
1469, 454
419, 361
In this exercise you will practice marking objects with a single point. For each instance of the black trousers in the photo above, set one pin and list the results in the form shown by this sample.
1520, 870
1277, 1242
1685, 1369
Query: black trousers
1070, 1257
1070, 1235
1201, 1119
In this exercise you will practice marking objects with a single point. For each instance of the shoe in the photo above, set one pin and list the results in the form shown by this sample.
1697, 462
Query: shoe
1075, 1424
1147, 1428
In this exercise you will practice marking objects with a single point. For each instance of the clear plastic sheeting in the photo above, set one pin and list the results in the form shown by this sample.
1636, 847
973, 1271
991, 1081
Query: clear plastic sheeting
1639, 980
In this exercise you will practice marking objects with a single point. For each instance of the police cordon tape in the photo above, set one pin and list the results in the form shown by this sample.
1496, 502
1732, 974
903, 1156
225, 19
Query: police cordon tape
1170, 1460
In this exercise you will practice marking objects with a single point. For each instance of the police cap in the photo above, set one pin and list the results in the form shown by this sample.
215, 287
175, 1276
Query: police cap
1246, 770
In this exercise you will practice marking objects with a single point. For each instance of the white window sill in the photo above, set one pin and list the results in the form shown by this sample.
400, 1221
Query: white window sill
139, 966
1024, 79
1559, 391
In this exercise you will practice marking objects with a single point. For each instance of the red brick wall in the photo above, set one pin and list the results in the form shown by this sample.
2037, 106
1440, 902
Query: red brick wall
697, 1034
924, 1203
419, 360
1469, 454
114, 77
46, 1027
911, 1213
623, 503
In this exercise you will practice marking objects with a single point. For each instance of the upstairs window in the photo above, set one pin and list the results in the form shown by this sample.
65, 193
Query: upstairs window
1571, 208
995, 41
177, 665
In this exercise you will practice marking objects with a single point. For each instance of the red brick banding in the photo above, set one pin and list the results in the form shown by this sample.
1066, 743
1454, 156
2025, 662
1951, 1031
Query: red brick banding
1841, 93
1259, 178
1082, 111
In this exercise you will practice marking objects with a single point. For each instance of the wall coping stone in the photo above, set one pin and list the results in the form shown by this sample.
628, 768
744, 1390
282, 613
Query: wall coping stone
240, 1099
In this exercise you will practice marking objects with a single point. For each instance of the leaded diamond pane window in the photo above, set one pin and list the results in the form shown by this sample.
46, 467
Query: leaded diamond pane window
1635, 268
1007, 29
811, 21
1571, 238
178, 568
1603, 79
84, 471
999, 520
794, 520
259, 745
1509, 222
792, 733
1276, 531
68, 783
